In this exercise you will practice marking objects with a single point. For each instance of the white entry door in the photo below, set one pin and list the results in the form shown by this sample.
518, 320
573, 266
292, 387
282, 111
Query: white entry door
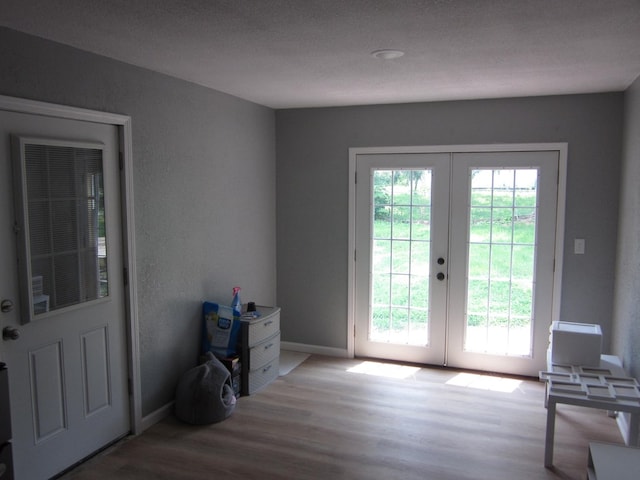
61, 250
455, 258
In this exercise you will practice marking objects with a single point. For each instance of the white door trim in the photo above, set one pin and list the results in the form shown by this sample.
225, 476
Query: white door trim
123, 123
561, 148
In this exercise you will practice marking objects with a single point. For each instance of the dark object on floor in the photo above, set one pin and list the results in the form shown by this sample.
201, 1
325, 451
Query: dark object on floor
205, 394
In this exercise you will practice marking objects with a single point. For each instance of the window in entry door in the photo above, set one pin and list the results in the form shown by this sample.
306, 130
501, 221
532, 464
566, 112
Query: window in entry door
400, 256
501, 247
60, 203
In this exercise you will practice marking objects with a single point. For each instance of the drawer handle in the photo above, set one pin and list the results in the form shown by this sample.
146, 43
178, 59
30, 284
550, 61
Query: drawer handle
267, 347
266, 369
267, 323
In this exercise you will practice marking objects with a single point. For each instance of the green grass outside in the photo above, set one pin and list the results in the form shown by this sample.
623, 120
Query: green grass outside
500, 268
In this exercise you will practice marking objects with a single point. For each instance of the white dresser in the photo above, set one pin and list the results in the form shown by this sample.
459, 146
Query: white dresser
260, 349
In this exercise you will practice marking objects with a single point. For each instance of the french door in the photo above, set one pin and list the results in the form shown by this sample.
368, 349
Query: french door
455, 256
401, 230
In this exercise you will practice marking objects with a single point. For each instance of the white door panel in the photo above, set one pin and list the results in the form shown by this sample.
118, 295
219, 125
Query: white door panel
68, 368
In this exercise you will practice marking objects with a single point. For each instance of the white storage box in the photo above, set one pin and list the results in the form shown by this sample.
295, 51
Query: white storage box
576, 343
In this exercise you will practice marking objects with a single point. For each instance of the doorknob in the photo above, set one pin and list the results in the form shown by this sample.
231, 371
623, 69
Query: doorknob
440, 276
10, 333
6, 306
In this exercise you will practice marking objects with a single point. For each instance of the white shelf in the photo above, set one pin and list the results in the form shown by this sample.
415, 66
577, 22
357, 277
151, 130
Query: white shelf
613, 462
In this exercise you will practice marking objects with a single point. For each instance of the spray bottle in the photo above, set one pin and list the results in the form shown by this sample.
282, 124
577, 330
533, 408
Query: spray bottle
235, 303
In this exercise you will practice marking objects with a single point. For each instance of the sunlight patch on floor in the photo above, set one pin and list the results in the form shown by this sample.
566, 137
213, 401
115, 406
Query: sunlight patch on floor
485, 382
388, 370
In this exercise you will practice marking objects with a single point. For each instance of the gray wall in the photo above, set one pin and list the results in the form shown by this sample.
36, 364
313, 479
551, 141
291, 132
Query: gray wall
312, 193
626, 319
204, 176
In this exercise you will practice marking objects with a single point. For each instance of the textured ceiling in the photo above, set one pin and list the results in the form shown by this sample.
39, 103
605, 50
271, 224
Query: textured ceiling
308, 53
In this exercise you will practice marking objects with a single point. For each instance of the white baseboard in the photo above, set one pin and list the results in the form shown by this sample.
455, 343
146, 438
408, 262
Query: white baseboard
314, 349
155, 417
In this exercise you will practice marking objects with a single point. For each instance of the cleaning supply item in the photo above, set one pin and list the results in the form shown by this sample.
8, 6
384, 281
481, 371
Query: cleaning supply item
235, 303
220, 329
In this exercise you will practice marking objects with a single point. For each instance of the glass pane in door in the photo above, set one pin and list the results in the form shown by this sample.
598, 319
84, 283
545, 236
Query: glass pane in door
501, 248
64, 215
401, 245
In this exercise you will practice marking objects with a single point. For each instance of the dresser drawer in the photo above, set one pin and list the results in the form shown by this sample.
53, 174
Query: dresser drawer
262, 376
264, 352
263, 327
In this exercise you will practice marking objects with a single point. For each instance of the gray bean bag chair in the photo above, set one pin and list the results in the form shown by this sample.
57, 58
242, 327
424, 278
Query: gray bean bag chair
205, 394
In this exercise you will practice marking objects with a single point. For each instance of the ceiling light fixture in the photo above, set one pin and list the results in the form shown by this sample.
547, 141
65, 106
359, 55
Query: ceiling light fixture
387, 54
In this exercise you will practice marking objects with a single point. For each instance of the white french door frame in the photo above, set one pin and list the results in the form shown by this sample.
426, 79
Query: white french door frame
561, 148
123, 124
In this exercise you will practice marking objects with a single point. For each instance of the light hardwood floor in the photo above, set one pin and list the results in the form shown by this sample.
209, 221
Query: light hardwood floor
323, 421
